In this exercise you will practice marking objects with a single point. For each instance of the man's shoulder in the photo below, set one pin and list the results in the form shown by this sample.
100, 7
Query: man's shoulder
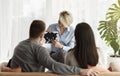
22, 42
31, 44
28, 42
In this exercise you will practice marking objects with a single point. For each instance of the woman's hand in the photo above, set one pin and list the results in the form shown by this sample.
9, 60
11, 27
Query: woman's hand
57, 44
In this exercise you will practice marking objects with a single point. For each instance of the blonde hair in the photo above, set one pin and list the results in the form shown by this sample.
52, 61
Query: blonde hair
65, 18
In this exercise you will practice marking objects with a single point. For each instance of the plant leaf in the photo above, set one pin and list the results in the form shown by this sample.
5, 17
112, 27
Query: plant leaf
115, 46
119, 2
115, 5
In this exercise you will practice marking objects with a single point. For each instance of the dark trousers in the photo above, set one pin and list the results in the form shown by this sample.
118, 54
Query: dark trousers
58, 56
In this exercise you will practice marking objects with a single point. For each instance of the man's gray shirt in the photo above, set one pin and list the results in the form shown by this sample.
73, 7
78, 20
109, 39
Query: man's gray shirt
32, 57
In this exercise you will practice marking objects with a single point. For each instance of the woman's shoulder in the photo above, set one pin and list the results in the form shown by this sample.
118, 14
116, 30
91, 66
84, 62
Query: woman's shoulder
70, 58
70, 52
53, 25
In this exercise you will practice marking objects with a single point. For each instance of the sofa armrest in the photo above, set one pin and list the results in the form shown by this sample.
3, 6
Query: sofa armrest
110, 74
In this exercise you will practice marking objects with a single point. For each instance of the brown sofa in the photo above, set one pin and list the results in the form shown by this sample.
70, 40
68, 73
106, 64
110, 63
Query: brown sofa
51, 74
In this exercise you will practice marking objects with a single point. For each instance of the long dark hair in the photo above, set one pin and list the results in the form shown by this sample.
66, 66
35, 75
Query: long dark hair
85, 50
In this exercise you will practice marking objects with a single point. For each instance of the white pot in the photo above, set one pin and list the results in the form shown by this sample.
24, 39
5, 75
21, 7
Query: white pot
114, 63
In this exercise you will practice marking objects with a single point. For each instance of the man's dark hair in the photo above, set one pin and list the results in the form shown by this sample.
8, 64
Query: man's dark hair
36, 28
85, 50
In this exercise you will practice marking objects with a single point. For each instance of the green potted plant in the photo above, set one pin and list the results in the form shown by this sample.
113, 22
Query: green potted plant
108, 28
